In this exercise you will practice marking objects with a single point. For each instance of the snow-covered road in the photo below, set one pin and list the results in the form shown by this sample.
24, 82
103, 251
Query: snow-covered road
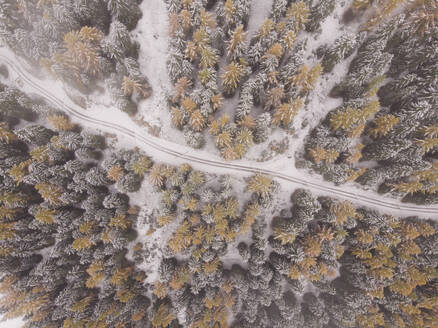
166, 151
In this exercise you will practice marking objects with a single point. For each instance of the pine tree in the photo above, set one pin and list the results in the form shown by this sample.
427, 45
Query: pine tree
430, 132
236, 44
35, 134
115, 173
118, 43
60, 122
320, 154
181, 88
82, 49
191, 51
261, 131
208, 57
49, 192
156, 177
342, 48
230, 10
383, 10
141, 165
427, 144
285, 113
46, 216
356, 155
424, 14
5, 134
383, 125
299, 12
274, 97
231, 77
223, 140
260, 184
130, 85
197, 121
318, 13
361, 4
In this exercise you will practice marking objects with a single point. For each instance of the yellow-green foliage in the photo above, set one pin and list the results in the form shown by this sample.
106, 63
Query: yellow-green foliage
299, 12
120, 222
232, 76
344, 210
260, 184
5, 134
163, 317
45, 215
383, 125
350, 118
81, 52
49, 192
361, 4
382, 10
306, 78
60, 122
141, 166
82, 243
285, 113
319, 154
19, 171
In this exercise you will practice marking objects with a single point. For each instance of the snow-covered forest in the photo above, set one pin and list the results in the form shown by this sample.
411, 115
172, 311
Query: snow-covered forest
97, 232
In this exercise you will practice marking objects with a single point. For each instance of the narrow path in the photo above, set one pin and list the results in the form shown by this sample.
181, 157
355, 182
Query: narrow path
198, 159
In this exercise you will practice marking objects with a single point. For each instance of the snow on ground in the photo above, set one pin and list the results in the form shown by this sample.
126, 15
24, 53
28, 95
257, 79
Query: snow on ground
114, 121
13, 323
164, 151
152, 34
319, 103
260, 10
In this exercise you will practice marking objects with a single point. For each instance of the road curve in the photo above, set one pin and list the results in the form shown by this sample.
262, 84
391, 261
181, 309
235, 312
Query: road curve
379, 202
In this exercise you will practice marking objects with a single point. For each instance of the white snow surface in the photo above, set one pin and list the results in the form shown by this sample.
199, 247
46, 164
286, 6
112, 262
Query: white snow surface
260, 10
152, 34
13, 323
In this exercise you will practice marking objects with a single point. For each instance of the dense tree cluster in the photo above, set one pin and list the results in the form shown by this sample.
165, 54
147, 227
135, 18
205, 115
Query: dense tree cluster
66, 228
70, 252
80, 42
384, 133
211, 60
65, 222
326, 263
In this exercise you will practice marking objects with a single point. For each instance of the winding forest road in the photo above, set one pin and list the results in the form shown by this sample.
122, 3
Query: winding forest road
148, 142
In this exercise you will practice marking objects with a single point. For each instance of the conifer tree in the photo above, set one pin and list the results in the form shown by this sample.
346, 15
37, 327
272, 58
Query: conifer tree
285, 113
232, 77
383, 125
